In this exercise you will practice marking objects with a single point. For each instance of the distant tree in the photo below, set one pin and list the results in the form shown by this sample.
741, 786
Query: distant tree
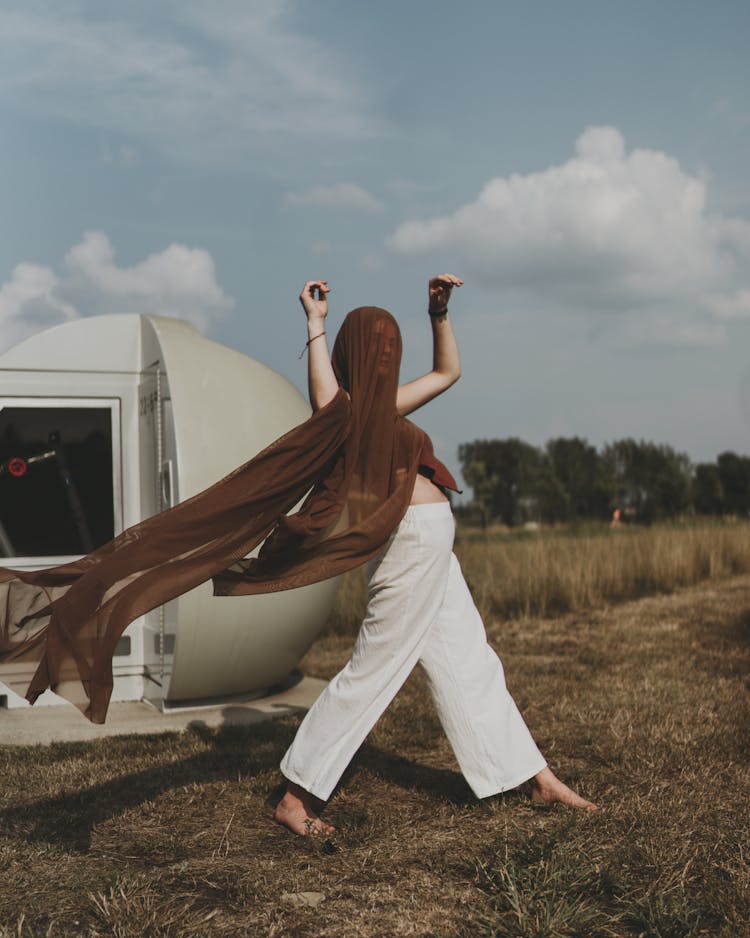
734, 473
551, 499
653, 481
584, 476
483, 483
673, 481
514, 466
708, 492
625, 462
569, 480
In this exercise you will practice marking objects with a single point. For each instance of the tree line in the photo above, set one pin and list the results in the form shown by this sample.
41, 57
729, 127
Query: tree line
569, 480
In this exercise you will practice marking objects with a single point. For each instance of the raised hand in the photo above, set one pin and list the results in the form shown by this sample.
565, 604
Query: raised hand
439, 290
314, 299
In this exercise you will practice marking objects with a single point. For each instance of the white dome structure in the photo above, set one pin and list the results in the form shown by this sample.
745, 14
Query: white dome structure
107, 420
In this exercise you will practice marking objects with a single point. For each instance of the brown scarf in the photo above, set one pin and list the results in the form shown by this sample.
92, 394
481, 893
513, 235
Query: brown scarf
354, 462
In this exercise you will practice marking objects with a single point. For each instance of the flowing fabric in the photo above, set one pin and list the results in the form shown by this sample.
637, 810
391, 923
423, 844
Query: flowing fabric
354, 462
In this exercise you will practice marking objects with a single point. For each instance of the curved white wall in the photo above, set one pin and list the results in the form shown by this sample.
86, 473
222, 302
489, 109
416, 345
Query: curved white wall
227, 407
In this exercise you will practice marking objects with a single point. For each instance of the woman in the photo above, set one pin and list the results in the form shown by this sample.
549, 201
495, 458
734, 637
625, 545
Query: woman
419, 607
363, 475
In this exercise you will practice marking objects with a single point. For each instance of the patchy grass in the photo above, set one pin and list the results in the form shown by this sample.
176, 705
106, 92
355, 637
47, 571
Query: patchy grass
644, 706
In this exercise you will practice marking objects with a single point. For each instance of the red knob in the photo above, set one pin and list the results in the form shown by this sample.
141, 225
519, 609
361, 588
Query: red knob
17, 467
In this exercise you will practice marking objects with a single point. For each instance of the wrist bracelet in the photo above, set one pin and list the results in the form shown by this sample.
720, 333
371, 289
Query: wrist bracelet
307, 344
439, 314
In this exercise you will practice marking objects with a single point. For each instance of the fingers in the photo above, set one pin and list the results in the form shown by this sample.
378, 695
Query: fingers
314, 299
315, 290
443, 284
440, 289
448, 279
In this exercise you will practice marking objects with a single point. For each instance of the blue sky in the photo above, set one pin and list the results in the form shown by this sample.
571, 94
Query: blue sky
582, 165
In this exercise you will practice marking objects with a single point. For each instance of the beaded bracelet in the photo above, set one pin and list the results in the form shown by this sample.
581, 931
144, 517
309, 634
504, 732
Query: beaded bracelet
307, 344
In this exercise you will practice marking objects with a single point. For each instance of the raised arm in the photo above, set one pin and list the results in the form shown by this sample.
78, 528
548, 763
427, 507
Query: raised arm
446, 365
321, 381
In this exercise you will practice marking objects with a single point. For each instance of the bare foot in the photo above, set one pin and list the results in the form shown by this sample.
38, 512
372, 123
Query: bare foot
547, 787
295, 811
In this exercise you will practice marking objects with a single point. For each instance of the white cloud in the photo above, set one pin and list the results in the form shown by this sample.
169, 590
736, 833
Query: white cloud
344, 195
607, 230
203, 82
178, 281
29, 302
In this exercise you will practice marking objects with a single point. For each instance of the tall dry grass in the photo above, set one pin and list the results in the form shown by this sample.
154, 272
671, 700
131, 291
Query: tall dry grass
546, 573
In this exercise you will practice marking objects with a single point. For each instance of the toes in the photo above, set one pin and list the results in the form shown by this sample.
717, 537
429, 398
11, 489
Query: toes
302, 824
563, 795
313, 827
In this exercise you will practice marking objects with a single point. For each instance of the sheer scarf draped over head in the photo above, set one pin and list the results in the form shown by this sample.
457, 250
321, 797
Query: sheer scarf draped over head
352, 467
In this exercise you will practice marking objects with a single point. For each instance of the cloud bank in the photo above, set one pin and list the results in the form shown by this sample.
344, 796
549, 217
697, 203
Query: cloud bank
178, 281
608, 231
201, 82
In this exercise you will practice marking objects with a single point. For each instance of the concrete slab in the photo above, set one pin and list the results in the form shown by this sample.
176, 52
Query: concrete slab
29, 726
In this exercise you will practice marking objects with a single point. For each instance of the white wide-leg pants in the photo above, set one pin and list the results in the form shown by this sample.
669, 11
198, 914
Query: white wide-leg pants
419, 610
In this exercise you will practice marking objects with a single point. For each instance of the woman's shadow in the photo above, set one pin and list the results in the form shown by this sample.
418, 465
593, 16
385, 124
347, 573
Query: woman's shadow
67, 820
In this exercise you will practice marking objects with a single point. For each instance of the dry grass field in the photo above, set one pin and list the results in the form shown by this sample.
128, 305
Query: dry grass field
644, 704
528, 573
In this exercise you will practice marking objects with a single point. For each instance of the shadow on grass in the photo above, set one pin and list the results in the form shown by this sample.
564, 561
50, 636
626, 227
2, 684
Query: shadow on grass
445, 784
721, 647
67, 820
738, 630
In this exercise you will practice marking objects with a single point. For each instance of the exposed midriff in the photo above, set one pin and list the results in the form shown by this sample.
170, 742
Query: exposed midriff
426, 492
